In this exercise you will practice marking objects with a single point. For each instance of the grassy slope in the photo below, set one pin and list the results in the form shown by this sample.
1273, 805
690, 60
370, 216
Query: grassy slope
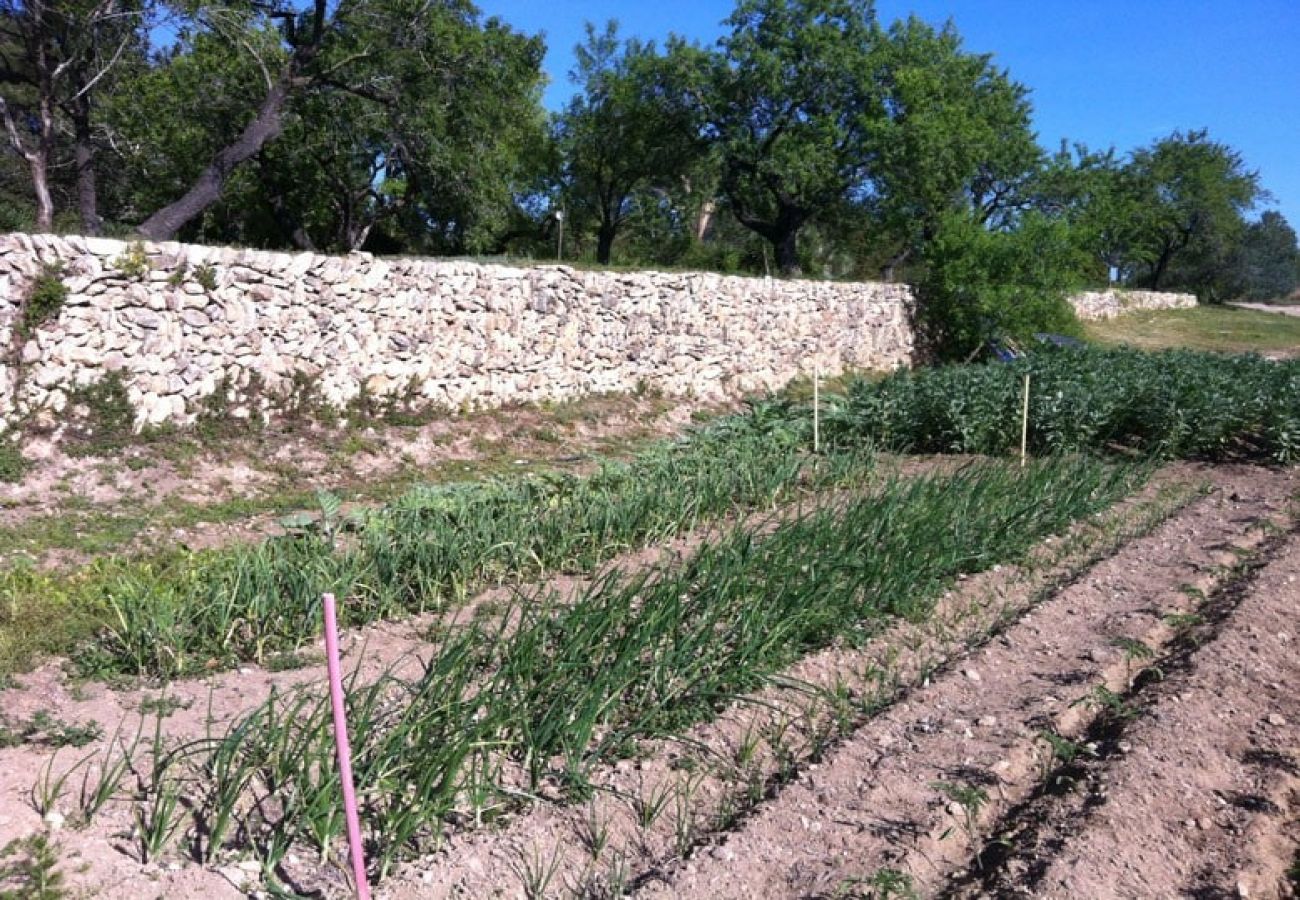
1221, 328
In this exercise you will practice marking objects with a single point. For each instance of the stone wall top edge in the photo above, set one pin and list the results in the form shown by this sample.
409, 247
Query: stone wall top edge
110, 248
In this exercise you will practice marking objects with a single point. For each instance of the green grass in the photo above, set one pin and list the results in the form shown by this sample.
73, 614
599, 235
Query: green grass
1223, 329
557, 686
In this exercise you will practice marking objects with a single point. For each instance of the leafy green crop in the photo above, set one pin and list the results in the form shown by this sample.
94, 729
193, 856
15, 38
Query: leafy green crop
1175, 404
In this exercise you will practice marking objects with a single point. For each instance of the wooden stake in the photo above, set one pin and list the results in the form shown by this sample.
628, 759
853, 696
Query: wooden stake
817, 409
1024, 426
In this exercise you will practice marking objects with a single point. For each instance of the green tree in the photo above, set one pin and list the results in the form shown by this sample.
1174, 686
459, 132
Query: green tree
56, 59
437, 78
791, 102
1098, 195
403, 123
955, 134
626, 137
980, 283
1267, 266
1194, 193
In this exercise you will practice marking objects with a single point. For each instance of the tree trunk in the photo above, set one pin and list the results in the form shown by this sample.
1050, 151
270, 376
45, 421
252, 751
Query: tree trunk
786, 247
605, 241
265, 127
84, 156
38, 162
1162, 264
705, 218
41, 185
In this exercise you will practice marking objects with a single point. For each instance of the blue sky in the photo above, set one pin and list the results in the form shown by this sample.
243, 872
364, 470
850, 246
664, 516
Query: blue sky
1105, 72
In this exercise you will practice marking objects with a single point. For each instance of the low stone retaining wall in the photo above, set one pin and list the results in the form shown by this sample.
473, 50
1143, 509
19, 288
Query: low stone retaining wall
189, 328
1109, 304
181, 323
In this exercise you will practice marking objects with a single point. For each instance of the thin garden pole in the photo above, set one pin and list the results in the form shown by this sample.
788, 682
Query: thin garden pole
1024, 426
817, 409
356, 850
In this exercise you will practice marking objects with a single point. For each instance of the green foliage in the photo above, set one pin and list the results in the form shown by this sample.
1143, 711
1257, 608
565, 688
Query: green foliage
29, 870
979, 284
1175, 404
206, 276
133, 262
1192, 194
627, 135
13, 465
955, 135
791, 101
437, 543
48, 731
109, 420
44, 300
1267, 263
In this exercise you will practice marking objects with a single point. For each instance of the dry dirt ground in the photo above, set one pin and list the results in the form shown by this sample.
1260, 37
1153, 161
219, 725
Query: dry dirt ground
1119, 719
1279, 308
67, 509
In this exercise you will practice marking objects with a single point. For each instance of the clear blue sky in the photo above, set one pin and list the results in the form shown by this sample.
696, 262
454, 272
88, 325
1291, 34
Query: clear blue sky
1105, 72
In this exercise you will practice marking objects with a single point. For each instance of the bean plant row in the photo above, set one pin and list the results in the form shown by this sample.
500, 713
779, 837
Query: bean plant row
1175, 404
524, 704
192, 612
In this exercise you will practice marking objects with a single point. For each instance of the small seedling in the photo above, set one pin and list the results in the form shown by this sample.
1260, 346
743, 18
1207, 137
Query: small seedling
971, 799
536, 872
593, 831
1134, 650
29, 870
1061, 752
1109, 702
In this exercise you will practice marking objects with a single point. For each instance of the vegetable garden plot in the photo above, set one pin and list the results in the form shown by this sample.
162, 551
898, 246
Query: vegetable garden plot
530, 707
1176, 404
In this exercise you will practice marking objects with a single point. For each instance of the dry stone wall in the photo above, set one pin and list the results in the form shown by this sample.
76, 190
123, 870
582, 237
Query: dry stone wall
179, 323
188, 328
1109, 304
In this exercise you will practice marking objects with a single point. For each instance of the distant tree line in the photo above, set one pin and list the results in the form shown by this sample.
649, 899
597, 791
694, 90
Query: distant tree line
812, 139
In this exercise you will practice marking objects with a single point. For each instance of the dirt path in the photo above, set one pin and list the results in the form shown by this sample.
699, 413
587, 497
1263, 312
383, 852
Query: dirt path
908, 796
1279, 308
1199, 795
206, 492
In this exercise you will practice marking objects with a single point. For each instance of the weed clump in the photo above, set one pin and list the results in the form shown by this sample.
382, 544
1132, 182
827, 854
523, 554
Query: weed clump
45, 298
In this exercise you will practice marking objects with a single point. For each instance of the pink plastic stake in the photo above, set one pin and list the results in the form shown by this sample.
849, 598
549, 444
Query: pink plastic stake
344, 752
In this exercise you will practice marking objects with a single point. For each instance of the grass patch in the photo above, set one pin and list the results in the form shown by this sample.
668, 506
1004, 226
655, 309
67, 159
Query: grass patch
1224, 329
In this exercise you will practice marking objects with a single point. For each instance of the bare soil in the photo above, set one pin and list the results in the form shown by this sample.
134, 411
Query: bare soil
159, 489
820, 784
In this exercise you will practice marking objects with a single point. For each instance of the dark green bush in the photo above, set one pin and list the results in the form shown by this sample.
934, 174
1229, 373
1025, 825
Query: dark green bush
979, 284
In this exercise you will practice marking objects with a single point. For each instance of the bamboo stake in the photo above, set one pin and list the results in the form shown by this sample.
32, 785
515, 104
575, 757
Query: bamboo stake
1024, 426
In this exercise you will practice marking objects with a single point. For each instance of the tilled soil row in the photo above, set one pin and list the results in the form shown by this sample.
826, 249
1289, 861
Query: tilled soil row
1193, 789
196, 709
679, 794
902, 804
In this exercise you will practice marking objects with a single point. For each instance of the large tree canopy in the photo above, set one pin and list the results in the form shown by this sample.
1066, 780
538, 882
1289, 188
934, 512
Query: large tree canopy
812, 135
791, 101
